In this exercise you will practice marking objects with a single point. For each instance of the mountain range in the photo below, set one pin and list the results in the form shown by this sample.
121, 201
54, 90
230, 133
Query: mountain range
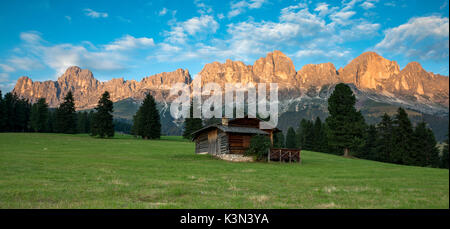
379, 85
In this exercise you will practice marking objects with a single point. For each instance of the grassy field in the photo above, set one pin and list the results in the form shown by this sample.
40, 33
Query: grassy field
77, 171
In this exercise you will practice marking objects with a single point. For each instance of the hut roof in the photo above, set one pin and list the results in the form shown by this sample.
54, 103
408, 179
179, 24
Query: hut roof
239, 129
230, 129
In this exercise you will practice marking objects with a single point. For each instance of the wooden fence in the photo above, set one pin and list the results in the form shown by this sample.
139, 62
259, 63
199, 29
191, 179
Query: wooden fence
284, 155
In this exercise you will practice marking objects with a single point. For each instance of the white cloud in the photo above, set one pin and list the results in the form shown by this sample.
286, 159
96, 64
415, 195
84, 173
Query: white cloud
323, 9
25, 63
163, 12
197, 25
7, 68
241, 6
298, 30
7, 86
35, 53
419, 38
31, 37
129, 42
203, 8
319, 52
342, 17
94, 14
391, 4
4, 77
68, 18
368, 4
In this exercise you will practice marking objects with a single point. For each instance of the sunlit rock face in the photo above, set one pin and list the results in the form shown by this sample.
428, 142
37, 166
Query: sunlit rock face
87, 90
369, 72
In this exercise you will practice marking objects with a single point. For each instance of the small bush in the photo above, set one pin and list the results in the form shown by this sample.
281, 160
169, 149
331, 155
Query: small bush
259, 147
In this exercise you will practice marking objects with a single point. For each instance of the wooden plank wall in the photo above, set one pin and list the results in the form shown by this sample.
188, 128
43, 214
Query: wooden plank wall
239, 143
201, 143
223, 142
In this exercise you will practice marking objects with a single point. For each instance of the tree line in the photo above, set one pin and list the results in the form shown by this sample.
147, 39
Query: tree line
345, 132
20, 115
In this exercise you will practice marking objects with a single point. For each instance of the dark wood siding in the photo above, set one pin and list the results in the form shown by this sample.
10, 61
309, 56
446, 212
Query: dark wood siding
223, 142
239, 143
201, 143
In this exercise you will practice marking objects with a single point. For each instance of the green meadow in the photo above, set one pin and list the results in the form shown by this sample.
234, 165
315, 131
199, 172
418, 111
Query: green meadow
78, 171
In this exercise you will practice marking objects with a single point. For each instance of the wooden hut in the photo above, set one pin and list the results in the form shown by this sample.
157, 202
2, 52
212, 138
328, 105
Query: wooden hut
229, 137
233, 137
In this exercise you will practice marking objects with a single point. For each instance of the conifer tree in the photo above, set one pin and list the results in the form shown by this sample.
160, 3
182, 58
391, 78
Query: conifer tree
22, 110
2, 113
425, 151
66, 116
320, 141
278, 140
370, 148
90, 121
103, 118
300, 135
291, 140
402, 139
346, 124
444, 163
39, 116
191, 124
308, 134
146, 122
385, 141
51, 121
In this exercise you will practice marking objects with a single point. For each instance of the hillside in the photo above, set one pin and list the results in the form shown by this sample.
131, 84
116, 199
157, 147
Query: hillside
77, 171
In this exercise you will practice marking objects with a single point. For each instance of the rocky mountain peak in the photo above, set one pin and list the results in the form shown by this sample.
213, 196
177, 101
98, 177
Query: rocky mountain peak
413, 67
317, 75
369, 70
275, 67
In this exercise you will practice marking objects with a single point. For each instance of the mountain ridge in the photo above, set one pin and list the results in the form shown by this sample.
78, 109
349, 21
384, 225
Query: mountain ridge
369, 72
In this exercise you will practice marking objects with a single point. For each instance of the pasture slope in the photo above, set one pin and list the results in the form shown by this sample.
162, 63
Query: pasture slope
78, 171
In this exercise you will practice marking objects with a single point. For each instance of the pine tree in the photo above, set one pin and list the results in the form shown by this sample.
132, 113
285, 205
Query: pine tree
308, 135
66, 116
81, 121
425, 151
2, 113
444, 163
346, 124
432, 152
402, 138
103, 118
136, 124
39, 116
146, 122
385, 141
291, 140
320, 140
90, 121
51, 121
9, 102
370, 148
278, 140
299, 134
191, 124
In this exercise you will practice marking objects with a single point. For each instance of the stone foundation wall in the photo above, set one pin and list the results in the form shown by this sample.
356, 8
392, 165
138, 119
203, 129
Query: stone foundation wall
235, 157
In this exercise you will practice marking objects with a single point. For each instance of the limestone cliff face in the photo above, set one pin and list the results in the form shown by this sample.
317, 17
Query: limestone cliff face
368, 72
87, 90
317, 75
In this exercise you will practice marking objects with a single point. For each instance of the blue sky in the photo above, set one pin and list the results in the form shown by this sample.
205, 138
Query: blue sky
134, 39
